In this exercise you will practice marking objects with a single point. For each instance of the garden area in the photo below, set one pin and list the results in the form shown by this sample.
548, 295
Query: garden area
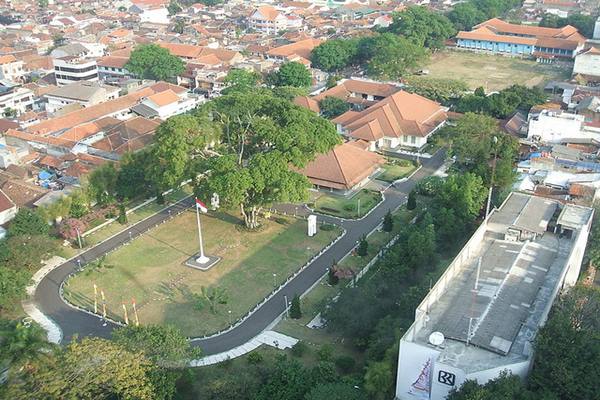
492, 72
352, 207
150, 270
396, 168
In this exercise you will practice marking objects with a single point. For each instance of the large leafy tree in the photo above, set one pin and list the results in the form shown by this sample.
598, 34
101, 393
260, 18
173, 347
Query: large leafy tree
505, 386
423, 26
102, 183
12, 286
150, 61
90, 369
293, 74
331, 107
21, 344
335, 54
238, 79
438, 89
465, 15
391, 56
28, 222
263, 136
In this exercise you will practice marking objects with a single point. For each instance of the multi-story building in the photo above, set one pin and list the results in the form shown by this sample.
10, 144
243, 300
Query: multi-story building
84, 93
111, 68
482, 315
545, 44
16, 98
268, 20
73, 69
11, 69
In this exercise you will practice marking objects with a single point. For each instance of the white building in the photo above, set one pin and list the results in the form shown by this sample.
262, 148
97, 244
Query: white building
11, 69
84, 93
111, 68
15, 98
156, 14
68, 70
552, 126
484, 312
270, 21
8, 209
166, 104
588, 63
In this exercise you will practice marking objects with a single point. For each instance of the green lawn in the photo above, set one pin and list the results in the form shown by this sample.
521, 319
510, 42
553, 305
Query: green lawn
396, 169
151, 270
492, 72
344, 207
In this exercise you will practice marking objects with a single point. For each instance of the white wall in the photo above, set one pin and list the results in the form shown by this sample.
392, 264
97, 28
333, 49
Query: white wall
587, 64
7, 215
552, 128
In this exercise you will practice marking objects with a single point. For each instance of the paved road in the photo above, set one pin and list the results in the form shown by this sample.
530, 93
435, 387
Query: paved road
76, 322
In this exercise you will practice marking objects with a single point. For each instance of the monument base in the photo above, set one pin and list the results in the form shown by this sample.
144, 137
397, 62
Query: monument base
195, 262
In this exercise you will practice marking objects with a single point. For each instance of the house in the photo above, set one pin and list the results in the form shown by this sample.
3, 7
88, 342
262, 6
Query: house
183, 51
11, 69
165, 104
297, 51
84, 93
112, 68
16, 98
587, 64
546, 44
589, 107
8, 209
150, 11
552, 126
343, 169
268, 20
400, 120
360, 93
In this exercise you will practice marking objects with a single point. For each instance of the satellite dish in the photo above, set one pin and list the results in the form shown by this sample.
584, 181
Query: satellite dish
436, 338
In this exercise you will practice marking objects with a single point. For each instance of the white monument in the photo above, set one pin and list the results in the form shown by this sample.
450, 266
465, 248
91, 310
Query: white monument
312, 225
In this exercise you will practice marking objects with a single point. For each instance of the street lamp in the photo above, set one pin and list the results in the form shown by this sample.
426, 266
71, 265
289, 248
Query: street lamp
229, 313
274, 280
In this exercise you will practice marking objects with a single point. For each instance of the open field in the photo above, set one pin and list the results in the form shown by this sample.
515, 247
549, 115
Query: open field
348, 207
491, 71
150, 269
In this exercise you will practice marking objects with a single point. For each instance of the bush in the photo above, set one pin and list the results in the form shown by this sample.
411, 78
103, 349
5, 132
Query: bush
345, 364
363, 247
28, 222
325, 352
299, 349
332, 278
255, 358
327, 227
295, 311
388, 222
122, 215
348, 207
72, 228
411, 203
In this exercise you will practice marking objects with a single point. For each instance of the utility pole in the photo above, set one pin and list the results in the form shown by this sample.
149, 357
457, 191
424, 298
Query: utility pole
489, 200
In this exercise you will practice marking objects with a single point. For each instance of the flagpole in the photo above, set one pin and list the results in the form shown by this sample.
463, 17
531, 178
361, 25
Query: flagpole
202, 259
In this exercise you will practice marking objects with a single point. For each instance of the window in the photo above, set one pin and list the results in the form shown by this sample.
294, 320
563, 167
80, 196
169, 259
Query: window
413, 139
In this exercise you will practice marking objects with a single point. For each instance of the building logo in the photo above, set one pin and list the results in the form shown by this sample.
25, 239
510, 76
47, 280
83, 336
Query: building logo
421, 387
447, 378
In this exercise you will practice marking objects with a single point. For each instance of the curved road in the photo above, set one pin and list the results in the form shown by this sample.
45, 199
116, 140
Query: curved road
76, 322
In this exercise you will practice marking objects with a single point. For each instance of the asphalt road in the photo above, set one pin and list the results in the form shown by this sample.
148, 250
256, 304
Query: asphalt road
76, 322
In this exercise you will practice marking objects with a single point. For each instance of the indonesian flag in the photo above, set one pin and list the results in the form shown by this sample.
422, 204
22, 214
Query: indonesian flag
201, 206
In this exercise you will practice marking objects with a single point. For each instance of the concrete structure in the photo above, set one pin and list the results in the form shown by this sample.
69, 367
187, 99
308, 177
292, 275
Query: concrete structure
71, 69
483, 314
587, 63
166, 104
112, 68
553, 126
16, 98
597, 30
84, 93
268, 20
8, 209
11, 69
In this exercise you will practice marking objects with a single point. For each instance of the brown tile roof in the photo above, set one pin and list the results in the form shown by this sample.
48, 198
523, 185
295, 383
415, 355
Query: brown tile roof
182, 50
164, 98
50, 161
21, 193
302, 48
345, 89
5, 202
401, 114
112, 61
7, 59
268, 12
343, 167
307, 102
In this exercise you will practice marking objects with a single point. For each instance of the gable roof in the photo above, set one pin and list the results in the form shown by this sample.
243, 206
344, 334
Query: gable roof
162, 99
302, 48
401, 114
342, 167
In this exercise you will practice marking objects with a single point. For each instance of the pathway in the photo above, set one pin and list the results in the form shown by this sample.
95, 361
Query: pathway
73, 321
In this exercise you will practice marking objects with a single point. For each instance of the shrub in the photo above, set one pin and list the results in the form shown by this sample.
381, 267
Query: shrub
348, 207
122, 215
299, 349
345, 363
325, 353
332, 278
327, 227
388, 222
363, 247
295, 311
411, 203
255, 358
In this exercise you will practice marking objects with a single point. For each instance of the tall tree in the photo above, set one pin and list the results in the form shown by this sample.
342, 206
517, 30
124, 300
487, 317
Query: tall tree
12, 286
21, 344
391, 56
334, 54
465, 15
262, 137
423, 27
238, 79
292, 74
28, 222
331, 107
102, 183
150, 61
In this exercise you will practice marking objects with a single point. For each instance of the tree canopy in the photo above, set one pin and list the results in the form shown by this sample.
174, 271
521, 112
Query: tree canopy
584, 23
262, 136
292, 74
502, 104
28, 222
437, 89
150, 61
335, 54
423, 26
238, 79
391, 56
331, 107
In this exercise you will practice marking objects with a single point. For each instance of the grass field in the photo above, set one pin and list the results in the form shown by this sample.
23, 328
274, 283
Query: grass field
394, 170
345, 207
490, 71
150, 269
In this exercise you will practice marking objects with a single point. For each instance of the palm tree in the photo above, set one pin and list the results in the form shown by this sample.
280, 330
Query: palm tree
22, 343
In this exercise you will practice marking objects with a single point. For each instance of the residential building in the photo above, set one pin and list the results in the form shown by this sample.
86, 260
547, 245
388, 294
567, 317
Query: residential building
587, 64
11, 69
165, 104
150, 11
402, 119
112, 68
13, 97
483, 314
68, 70
297, 51
497, 36
344, 169
589, 107
556, 126
360, 93
8, 209
268, 20
84, 93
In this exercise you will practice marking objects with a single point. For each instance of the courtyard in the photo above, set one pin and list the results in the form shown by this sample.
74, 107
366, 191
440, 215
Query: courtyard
150, 270
492, 72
